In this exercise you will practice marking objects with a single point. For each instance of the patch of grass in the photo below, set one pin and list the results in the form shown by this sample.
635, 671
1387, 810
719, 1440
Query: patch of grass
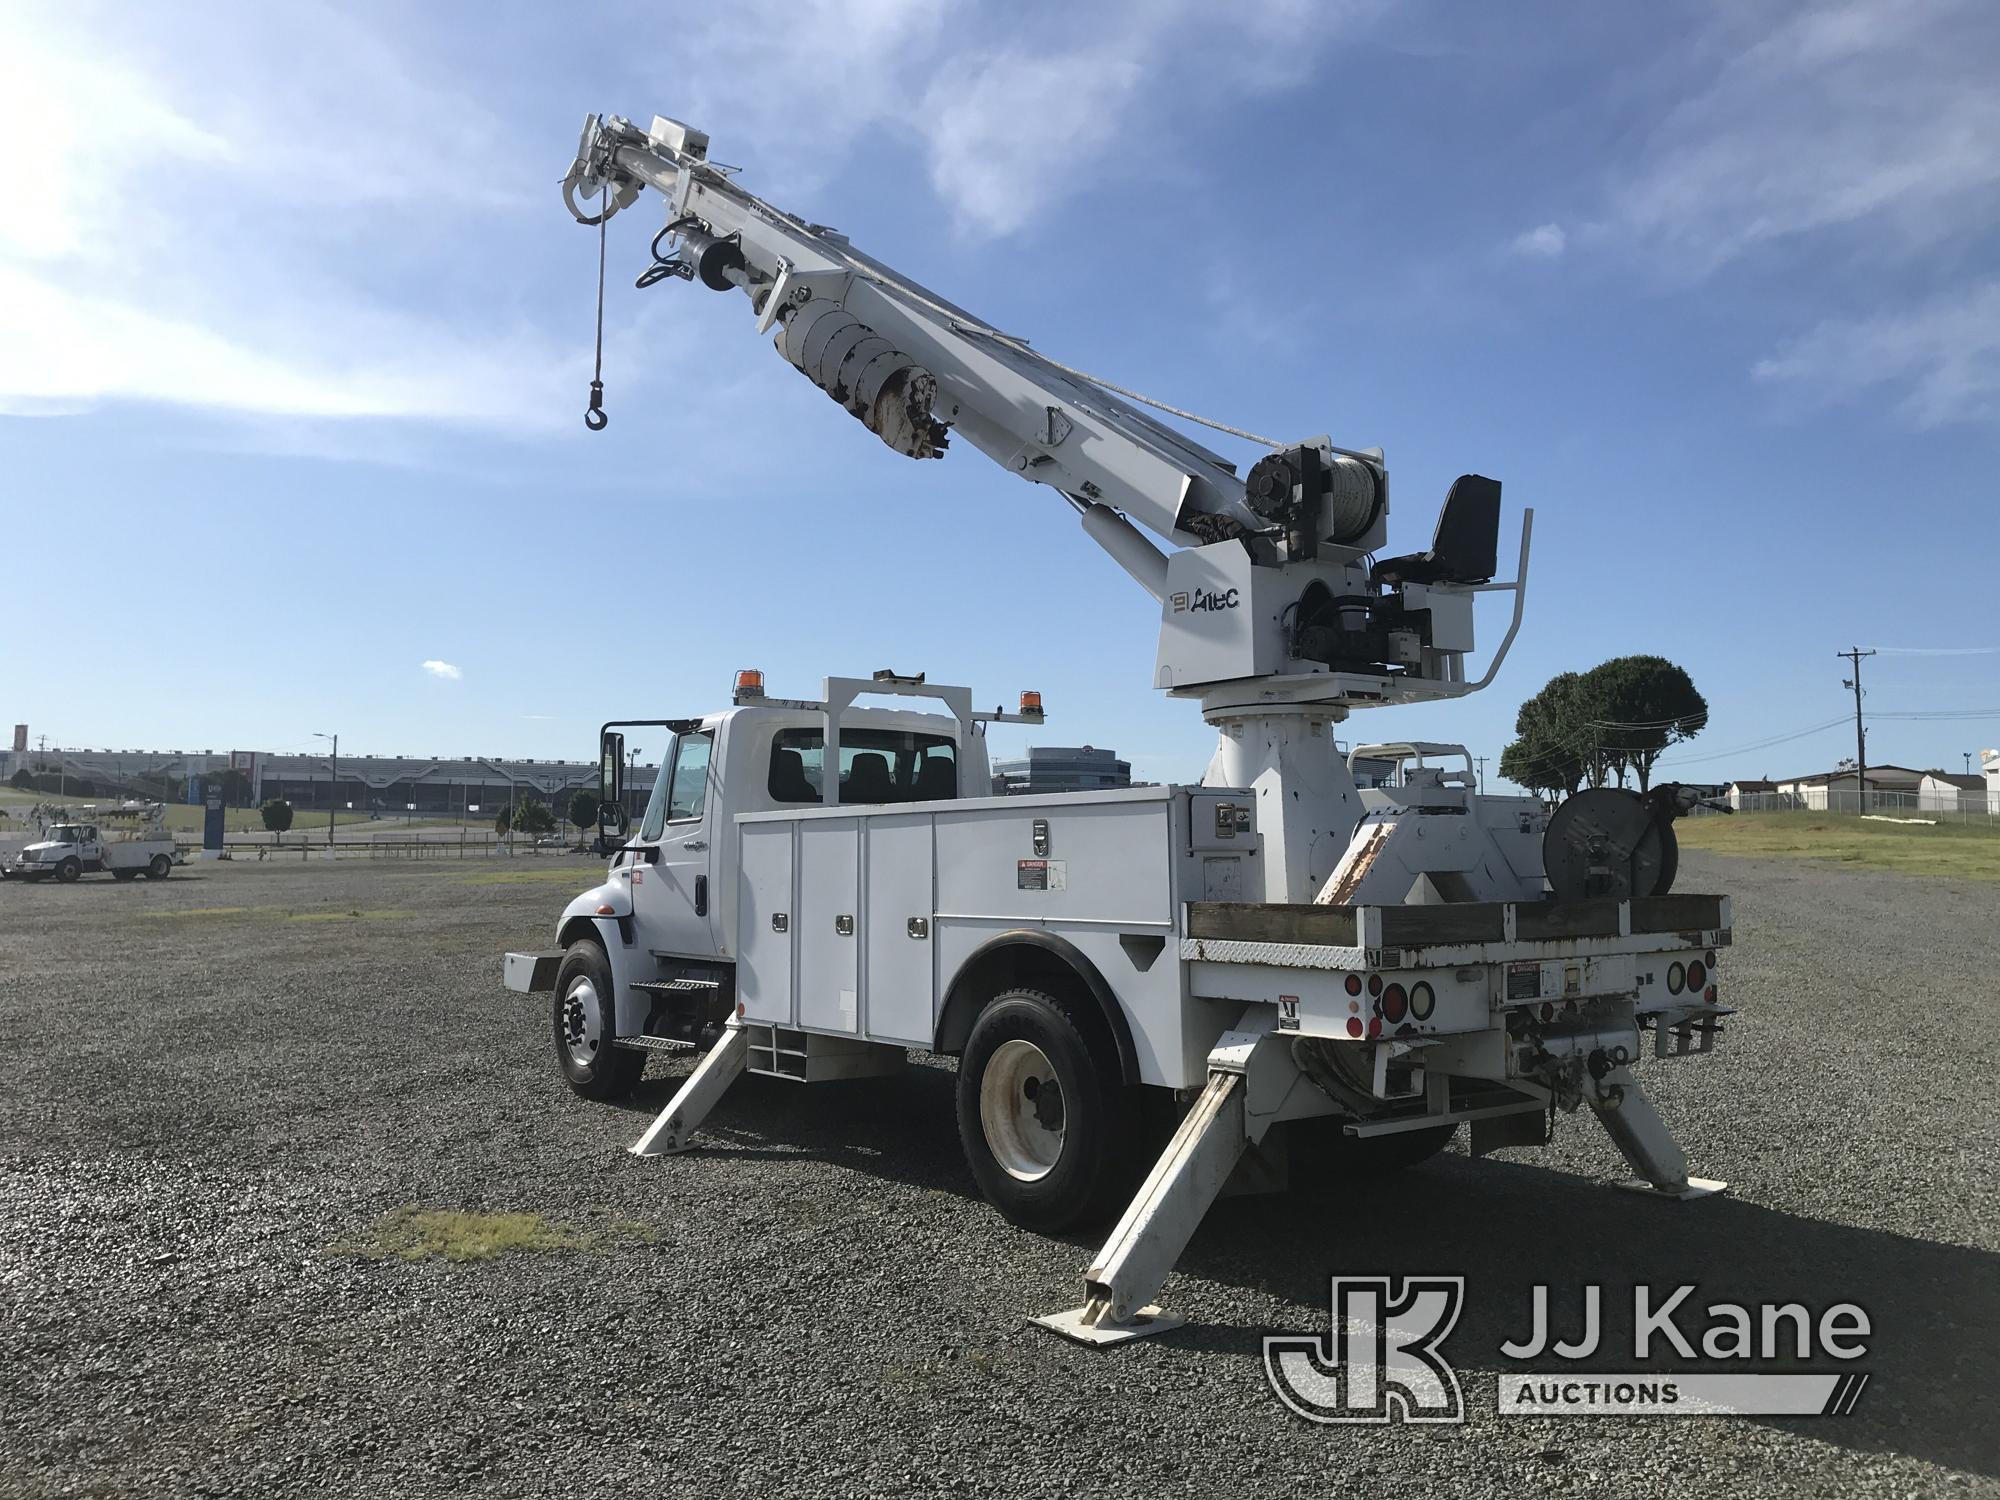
412, 1233
1967, 851
274, 914
570, 873
386, 914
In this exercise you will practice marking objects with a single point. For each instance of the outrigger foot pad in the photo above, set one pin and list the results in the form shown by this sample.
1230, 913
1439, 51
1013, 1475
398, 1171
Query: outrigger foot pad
1146, 1322
1693, 1187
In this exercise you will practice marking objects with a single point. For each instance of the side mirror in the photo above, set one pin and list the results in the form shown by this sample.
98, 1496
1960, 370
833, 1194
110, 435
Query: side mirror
611, 775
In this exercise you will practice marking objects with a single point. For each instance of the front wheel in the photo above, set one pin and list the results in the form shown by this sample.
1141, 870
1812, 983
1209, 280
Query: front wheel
595, 1066
69, 870
1045, 1124
160, 868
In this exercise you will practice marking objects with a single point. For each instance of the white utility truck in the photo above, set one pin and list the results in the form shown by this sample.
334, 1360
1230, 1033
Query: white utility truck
1300, 965
127, 841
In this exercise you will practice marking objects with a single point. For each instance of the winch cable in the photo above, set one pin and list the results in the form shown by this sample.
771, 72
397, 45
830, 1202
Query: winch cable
596, 419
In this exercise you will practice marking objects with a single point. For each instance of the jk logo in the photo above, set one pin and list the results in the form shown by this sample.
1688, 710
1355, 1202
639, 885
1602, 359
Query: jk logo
1378, 1361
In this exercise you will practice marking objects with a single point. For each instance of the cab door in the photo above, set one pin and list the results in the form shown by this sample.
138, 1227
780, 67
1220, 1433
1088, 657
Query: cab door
673, 900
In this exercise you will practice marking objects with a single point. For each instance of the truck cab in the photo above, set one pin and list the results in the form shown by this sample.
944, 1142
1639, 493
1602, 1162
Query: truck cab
665, 918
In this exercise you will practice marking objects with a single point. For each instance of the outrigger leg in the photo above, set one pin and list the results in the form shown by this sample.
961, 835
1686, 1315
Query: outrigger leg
675, 1125
1636, 1128
1120, 1284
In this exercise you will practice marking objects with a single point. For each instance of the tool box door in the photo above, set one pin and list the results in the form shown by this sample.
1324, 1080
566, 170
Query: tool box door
764, 923
898, 985
828, 924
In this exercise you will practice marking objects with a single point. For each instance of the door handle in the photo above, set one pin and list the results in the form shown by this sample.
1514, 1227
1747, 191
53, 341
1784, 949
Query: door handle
694, 844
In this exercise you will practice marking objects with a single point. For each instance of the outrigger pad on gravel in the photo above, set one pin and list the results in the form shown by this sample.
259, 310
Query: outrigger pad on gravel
1697, 1187
1148, 1321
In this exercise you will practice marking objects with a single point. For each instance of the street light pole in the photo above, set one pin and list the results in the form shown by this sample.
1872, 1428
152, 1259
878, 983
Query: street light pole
333, 799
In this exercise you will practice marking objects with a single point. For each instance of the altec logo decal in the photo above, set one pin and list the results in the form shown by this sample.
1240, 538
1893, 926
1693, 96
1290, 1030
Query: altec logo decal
1381, 1360
1206, 599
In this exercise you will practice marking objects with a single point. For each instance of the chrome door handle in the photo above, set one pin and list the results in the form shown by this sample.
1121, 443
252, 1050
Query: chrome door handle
694, 843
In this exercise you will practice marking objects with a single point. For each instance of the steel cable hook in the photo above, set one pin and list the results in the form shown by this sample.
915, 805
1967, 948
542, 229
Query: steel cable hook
596, 418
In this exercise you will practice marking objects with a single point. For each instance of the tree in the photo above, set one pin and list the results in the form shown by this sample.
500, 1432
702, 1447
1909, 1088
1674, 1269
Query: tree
277, 816
532, 817
1552, 751
503, 824
1640, 705
21, 781
583, 808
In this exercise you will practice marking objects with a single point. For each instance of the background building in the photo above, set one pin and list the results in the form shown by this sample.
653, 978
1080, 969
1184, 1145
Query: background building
1060, 768
437, 785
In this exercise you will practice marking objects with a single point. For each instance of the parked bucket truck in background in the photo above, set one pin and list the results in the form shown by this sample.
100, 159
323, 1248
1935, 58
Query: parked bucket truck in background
1295, 963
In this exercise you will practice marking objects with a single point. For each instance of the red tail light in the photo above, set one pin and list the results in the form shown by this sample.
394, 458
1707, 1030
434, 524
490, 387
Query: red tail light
1374, 984
1697, 976
1395, 1004
1354, 1026
1710, 996
1353, 984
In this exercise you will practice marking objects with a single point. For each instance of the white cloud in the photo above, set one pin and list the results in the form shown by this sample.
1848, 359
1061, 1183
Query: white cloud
1945, 354
1880, 121
444, 671
1544, 242
1010, 117
192, 215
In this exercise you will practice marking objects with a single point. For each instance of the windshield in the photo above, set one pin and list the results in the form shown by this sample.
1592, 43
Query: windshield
63, 833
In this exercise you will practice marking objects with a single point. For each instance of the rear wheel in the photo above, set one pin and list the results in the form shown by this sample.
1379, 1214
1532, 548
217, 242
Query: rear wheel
160, 867
595, 1066
69, 870
1045, 1122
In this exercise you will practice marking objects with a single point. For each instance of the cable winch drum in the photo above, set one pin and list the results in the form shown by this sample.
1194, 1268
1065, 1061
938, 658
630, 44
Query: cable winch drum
1607, 841
888, 390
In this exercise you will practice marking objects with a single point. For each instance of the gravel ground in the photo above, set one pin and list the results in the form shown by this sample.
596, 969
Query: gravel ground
222, 1079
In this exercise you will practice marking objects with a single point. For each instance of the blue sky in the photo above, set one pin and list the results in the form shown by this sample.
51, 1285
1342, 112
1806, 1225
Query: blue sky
295, 339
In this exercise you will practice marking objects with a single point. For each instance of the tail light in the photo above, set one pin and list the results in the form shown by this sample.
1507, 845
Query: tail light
1423, 1000
1395, 1004
1697, 976
1710, 996
1354, 1027
1353, 984
1374, 984
1676, 978
1375, 1026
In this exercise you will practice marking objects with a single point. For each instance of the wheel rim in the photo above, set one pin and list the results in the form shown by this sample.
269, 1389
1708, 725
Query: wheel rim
1021, 1110
582, 1023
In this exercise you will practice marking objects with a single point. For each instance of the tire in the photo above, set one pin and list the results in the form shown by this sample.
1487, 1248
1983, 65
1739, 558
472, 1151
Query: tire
581, 1023
69, 870
160, 867
1045, 1122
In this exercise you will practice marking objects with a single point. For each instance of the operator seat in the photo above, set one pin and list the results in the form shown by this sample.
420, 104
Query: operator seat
937, 780
868, 780
1465, 546
788, 778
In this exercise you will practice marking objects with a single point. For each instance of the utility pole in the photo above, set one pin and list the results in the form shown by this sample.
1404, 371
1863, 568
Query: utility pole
332, 801
1860, 734
1480, 761
1968, 761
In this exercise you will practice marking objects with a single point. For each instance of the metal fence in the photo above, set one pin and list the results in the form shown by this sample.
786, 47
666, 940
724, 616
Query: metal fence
1979, 809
